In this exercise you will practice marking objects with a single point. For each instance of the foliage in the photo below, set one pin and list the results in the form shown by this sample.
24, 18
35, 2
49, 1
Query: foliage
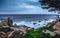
51, 5
37, 33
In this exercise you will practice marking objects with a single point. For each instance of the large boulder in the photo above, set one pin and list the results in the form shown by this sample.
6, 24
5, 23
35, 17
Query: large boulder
52, 34
57, 26
57, 32
51, 24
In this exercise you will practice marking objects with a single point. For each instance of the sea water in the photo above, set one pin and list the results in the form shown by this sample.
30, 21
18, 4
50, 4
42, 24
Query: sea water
29, 19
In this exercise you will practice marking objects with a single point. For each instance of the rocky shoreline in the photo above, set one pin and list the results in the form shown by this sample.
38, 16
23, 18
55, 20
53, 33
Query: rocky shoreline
55, 25
8, 30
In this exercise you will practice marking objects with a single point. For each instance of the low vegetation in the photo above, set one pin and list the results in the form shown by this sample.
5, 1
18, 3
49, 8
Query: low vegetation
37, 33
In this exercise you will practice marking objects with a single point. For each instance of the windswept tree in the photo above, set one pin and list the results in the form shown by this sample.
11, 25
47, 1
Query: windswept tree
51, 5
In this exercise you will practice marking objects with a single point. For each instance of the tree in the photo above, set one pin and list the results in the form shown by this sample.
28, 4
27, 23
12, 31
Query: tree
51, 5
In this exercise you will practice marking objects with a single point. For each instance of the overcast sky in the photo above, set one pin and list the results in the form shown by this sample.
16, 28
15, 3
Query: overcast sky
21, 7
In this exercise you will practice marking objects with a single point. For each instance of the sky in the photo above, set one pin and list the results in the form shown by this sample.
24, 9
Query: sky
22, 7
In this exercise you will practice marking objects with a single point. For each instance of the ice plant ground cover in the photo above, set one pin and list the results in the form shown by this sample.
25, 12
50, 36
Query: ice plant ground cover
37, 33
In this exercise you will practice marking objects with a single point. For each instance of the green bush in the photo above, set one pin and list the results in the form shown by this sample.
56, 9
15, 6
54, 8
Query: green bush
37, 33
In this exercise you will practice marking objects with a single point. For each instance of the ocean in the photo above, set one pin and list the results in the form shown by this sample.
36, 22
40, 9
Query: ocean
27, 19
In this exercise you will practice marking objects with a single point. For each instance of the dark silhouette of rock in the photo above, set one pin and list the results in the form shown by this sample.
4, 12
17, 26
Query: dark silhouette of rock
34, 23
9, 22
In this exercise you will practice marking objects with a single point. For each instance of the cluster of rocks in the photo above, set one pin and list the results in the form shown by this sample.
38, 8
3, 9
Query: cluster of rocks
8, 30
5, 29
54, 25
6, 22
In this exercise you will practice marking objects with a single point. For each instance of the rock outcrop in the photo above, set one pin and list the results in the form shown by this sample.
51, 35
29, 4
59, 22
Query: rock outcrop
55, 25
